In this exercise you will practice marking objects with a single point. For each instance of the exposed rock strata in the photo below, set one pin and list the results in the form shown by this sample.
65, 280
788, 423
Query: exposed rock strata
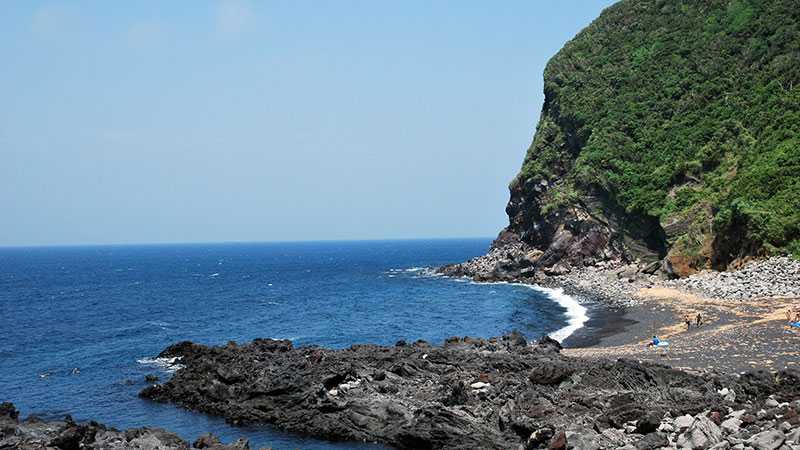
639, 157
35, 434
472, 393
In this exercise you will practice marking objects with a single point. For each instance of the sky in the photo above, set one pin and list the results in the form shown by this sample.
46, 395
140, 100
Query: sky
235, 120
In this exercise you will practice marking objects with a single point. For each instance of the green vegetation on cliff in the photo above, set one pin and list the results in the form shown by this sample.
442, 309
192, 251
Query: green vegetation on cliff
684, 111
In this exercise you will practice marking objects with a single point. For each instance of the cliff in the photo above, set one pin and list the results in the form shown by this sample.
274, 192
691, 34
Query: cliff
669, 135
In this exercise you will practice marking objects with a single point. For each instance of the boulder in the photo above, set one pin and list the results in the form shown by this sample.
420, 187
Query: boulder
648, 423
731, 425
559, 441
683, 422
767, 440
479, 385
793, 437
584, 439
652, 441
703, 433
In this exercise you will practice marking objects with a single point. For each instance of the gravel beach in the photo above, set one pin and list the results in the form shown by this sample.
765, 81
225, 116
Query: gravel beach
743, 313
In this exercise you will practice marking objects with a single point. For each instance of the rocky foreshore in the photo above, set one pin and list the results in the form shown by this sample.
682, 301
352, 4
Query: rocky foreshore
36, 434
615, 282
773, 277
499, 393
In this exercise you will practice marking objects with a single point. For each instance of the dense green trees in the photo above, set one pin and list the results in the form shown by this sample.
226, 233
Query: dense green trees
671, 105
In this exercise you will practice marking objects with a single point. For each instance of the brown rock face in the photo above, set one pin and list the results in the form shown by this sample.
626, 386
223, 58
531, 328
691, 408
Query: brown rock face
589, 230
680, 265
617, 170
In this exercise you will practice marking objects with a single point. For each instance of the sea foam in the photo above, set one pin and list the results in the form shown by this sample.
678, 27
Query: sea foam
577, 314
166, 364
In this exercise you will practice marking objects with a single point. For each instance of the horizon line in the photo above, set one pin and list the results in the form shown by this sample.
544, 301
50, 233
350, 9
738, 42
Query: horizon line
288, 241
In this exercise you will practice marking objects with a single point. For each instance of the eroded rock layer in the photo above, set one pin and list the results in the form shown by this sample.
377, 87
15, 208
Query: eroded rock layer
669, 132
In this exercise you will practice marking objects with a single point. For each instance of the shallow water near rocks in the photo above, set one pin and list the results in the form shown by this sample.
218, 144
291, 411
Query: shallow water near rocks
82, 325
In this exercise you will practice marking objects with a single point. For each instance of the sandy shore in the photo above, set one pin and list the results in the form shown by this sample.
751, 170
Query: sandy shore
735, 335
743, 311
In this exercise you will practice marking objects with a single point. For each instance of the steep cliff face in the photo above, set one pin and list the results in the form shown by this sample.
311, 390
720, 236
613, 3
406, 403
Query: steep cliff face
670, 134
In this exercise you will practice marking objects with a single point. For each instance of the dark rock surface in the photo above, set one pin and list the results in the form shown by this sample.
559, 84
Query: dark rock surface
499, 393
35, 434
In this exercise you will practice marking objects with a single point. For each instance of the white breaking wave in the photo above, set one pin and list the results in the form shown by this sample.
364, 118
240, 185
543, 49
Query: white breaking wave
408, 269
416, 272
166, 364
576, 313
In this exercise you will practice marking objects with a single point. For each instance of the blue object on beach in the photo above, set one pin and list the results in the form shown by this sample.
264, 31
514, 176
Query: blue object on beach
795, 324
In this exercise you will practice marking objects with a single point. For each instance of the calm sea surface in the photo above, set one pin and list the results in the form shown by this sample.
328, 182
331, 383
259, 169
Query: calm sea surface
108, 310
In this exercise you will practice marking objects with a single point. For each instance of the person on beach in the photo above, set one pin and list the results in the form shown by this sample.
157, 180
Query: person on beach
793, 315
658, 343
699, 319
688, 319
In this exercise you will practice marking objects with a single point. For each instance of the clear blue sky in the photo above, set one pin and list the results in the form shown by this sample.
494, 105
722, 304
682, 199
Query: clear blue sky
126, 122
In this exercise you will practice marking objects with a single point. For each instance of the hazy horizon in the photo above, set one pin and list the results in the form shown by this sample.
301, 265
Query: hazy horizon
236, 121
297, 241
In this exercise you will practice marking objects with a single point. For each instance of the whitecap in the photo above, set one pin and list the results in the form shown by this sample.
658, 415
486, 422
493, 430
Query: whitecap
214, 275
407, 269
577, 314
166, 364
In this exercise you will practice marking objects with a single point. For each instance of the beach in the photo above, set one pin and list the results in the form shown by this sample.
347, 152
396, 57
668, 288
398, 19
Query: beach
734, 335
743, 323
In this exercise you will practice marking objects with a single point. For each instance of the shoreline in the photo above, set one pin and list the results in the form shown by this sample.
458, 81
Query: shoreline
495, 393
732, 337
743, 323
591, 319
576, 311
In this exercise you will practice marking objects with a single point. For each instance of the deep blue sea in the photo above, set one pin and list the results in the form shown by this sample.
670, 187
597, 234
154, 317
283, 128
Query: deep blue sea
81, 325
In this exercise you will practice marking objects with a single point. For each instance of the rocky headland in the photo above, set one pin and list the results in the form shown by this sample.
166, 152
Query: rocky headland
665, 141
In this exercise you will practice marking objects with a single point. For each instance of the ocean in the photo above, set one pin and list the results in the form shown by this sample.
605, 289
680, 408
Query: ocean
82, 325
